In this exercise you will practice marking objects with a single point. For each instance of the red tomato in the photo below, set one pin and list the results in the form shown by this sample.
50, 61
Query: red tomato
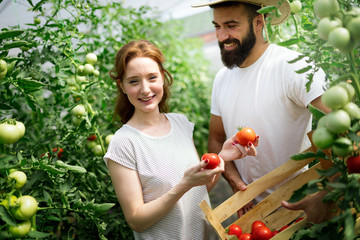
213, 159
284, 227
262, 233
275, 232
235, 229
92, 137
245, 135
257, 224
299, 219
59, 154
353, 164
246, 236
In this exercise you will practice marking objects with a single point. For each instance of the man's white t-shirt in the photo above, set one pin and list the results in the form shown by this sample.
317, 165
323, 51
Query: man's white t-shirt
270, 97
160, 163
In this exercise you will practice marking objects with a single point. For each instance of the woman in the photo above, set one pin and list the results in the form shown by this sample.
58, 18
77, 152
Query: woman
155, 169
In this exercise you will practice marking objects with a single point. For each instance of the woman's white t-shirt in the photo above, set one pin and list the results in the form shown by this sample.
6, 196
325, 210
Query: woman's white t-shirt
161, 163
270, 97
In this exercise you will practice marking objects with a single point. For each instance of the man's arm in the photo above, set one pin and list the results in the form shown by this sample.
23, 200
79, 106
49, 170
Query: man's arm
216, 140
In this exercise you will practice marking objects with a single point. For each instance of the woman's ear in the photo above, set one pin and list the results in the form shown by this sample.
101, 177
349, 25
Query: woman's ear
120, 85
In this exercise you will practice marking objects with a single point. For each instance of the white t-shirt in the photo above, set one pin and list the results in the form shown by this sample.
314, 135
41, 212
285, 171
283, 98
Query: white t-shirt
161, 163
271, 98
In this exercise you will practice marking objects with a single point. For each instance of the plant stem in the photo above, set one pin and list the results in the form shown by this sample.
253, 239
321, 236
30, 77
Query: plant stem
354, 74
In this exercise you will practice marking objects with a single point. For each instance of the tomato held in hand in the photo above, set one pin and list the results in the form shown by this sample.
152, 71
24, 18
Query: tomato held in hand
213, 159
353, 164
245, 135
262, 233
235, 229
246, 236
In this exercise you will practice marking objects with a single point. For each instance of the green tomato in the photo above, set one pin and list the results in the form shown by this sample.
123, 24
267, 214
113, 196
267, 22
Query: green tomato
108, 138
326, 25
81, 79
19, 177
26, 207
21, 230
3, 74
80, 70
9, 133
90, 144
323, 138
21, 127
3, 65
88, 69
354, 28
295, 6
349, 89
338, 121
342, 151
321, 122
349, 15
340, 38
71, 81
335, 97
37, 21
78, 110
326, 8
96, 73
91, 58
97, 150
353, 110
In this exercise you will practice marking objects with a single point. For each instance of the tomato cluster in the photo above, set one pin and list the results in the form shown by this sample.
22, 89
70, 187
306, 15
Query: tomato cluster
332, 129
339, 28
259, 231
22, 208
94, 145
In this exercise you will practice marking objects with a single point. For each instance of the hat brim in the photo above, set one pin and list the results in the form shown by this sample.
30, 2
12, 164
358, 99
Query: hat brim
284, 8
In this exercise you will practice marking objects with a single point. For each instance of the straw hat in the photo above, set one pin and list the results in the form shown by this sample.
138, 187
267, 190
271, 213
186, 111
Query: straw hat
284, 8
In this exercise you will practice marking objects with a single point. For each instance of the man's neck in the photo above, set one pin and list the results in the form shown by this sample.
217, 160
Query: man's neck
256, 52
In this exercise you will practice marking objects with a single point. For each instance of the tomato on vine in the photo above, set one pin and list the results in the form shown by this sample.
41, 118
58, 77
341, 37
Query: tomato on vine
19, 177
24, 207
20, 230
353, 164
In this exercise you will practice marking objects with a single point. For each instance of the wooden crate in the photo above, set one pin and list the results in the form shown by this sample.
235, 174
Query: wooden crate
269, 210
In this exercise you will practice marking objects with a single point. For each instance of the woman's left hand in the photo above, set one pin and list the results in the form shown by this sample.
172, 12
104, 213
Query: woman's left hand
232, 150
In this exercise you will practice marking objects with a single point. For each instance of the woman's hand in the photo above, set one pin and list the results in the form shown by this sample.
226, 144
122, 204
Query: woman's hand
232, 150
197, 175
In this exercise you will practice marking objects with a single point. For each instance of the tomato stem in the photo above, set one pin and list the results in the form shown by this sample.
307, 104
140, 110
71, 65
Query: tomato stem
355, 76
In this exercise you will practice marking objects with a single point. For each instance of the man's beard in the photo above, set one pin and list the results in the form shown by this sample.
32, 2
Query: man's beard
236, 57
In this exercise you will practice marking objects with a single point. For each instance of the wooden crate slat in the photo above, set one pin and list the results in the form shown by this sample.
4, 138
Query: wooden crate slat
219, 229
241, 198
273, 202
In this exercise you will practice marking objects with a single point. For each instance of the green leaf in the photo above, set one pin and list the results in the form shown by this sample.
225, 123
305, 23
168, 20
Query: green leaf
16, 44
6, 217
37, 234
302, 156
10, 33
30, 85
267, 9
316, 112
289, 42
305, 69
103, 207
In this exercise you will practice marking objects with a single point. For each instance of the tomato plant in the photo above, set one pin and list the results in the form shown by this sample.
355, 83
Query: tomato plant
212, 158
245, 135
235, 229
295, 6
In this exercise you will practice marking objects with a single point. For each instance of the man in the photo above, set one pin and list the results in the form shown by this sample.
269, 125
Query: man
258, 88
